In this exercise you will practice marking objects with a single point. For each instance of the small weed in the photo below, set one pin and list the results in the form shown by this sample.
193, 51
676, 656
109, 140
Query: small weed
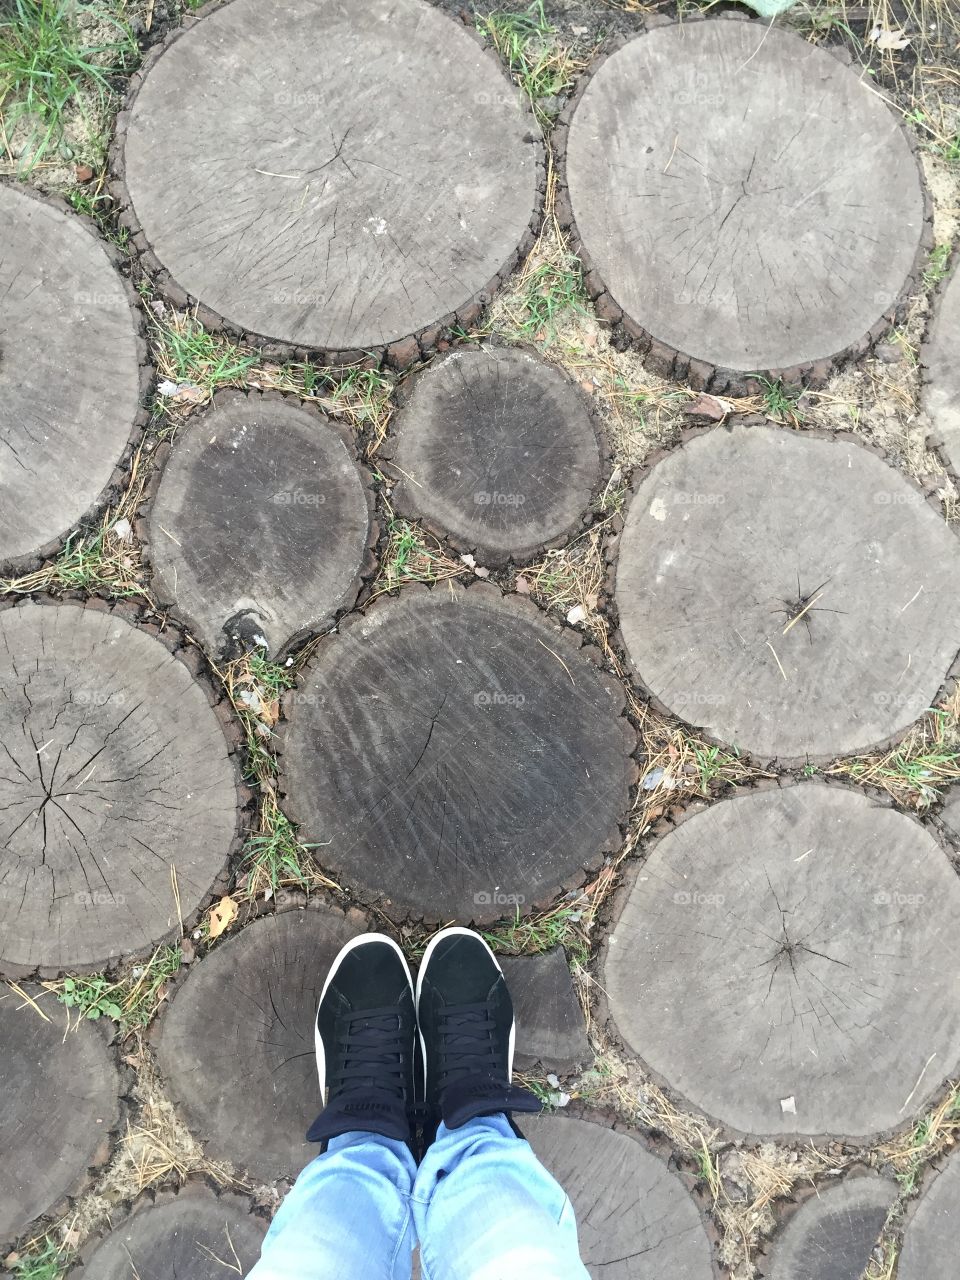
916, 770
188, 354
48, 67
533, 934
413, 556
44, 1259
130, 1001
936, 269
931, 1135
275, 859
551, 290
91, 997
528, 44
780, 402
713, 763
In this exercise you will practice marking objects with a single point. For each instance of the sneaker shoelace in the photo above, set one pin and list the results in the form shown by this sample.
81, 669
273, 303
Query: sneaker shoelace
466, 1044
374, 1056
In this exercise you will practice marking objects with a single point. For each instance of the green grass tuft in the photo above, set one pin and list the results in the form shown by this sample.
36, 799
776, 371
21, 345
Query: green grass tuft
46, 1260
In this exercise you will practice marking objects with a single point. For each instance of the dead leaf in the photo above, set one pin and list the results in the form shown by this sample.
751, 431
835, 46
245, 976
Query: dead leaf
888, 40
523, 586
222, 916
707, 406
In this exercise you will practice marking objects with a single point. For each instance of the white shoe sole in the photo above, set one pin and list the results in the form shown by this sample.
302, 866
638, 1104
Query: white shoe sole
447, 933
344, 951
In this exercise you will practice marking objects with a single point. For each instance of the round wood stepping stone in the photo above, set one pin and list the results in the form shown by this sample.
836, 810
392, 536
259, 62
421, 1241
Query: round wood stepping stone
950, 814
241, 1025
792, 594
70, 375
362, 187
58, 1105
457, 756
194, 1235
941, 385
551, 1029
832, 1234
930, 1243
498, 449
808, 936
114, 777
721, 176
635, 1218
261, 524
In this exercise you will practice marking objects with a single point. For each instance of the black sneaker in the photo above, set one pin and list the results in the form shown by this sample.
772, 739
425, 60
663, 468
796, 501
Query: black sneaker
467, 1031
366, 1043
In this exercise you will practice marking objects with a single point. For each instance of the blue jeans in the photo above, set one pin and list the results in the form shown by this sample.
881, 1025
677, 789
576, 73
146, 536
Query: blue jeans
481, 1205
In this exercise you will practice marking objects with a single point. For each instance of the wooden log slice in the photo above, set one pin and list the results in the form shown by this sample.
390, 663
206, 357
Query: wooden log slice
721, 177
930, 1243
69, 374
792, 594
114, 778
194, 1235
941, 370
950, 815
332, 175
241, 1027
551, 1029
832, 1235
260, 527
808, 936
635, 1218
456, 756
58, 1105
497, 448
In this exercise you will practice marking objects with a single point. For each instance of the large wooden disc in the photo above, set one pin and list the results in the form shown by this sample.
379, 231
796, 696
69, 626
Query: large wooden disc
930, 1244
635, 1218
194, 1235
260, 527
114, 778
550, 1024
941, 391
721, 175
69, 374
330, 174
833, 1234
455, 755
497, 448
727, 542
808, 936
58, 1105
241, 1026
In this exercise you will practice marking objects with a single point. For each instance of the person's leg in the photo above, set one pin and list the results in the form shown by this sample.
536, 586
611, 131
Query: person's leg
486, 1209
484, 1206
348, 1215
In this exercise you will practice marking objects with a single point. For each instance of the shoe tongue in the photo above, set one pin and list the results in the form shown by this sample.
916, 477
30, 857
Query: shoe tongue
363, 1116
466, 1099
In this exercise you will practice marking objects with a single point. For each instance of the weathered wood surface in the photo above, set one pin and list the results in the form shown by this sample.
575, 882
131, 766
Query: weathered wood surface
832, 1235
793, 595
260, 526
117, 792
808, 937
457, 756
69, 374
58, 1105
497, 448
930, 1243
349, 175
745, 197
941, 382
635, 1218
550, 1025
241, 1026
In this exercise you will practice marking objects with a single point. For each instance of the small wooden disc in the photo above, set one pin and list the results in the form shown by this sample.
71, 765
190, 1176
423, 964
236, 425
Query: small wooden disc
58, 1104
551, 1029
260, 526
635, 1218
241, 1026
792, 594
499, 449
453, 753
808, 936
941, 389
113, 772
930, 1243
722, 175
69, 374
832, 1235
194, 1235
331, 174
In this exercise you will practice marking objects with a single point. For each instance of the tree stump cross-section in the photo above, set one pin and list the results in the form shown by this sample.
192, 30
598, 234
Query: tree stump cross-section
331, 175
456, 756
941, 390
793, 595
832, 1235
808, 936
930, 1242
261, 525
69, 374
118, 798
746, 199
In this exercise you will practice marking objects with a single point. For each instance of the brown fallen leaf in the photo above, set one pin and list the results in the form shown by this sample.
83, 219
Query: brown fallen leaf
523, 586
222, 916
707, 406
